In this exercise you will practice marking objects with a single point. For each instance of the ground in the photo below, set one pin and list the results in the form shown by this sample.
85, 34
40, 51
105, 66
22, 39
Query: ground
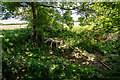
74, 55
78, 57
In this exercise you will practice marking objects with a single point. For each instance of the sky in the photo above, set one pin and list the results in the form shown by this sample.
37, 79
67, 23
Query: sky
75, 16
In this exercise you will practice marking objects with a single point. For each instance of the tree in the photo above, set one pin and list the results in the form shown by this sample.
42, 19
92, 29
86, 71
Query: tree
49, 14
42, 13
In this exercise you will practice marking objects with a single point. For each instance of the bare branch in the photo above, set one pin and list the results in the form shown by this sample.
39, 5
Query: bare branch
29, 3
108, 67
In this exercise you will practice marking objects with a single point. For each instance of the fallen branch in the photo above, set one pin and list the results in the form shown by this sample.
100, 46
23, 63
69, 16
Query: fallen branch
104, 64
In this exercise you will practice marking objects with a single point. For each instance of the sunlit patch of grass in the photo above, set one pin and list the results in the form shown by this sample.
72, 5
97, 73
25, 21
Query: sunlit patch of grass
79, 29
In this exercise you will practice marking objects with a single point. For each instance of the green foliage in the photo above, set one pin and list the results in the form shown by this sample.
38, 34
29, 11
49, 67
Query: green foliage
11, 5
67, 19
45, 16
102, 14
22, 60
114, 61
25, 59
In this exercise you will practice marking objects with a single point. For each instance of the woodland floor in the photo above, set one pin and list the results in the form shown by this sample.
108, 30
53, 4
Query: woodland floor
74, 56
79, 58
83, 59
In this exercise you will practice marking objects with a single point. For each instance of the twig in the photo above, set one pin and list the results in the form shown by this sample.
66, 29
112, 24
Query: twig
104, 64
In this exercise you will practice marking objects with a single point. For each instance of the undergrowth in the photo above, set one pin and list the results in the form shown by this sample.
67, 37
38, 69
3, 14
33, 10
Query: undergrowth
22, 60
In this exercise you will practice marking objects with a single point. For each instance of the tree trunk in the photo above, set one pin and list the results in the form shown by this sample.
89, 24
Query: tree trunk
33, 34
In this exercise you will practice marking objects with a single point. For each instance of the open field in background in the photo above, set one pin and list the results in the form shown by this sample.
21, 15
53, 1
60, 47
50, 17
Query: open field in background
9, 27
24, 25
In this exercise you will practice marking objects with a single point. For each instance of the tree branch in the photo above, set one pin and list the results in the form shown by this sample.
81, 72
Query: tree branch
60, 7
28, 3
104, 64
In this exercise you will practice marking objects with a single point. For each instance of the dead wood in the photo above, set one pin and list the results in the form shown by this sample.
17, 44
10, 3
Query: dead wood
104, 64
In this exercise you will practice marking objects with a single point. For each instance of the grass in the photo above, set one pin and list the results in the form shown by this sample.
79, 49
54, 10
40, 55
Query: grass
23, 60
80, 29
